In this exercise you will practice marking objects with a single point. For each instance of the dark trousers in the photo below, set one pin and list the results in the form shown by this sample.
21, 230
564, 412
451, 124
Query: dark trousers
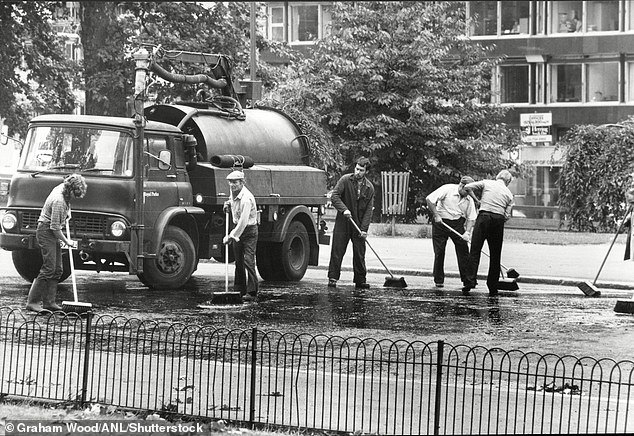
344, 232
439, 236
51, 253
488, 227
244, 253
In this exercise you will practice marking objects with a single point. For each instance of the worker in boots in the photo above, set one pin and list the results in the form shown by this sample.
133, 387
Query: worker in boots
49, 235
353, 197
244, 235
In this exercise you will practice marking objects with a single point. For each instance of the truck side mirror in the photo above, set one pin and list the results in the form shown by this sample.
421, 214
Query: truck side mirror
165, 157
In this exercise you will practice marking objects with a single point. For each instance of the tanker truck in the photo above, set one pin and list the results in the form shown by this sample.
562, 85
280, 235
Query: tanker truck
156, 187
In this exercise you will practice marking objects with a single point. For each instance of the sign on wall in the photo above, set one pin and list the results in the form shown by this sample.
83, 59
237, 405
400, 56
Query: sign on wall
536, 127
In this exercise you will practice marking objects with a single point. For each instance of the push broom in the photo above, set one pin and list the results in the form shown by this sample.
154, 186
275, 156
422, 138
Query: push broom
74, 306
391, 281
589, 288
225, 297
505, 284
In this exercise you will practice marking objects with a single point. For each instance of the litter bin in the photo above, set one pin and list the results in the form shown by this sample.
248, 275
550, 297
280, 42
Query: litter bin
394, 186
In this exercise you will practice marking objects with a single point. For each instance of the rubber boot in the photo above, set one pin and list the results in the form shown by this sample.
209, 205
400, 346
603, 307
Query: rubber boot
34, 300
50, 295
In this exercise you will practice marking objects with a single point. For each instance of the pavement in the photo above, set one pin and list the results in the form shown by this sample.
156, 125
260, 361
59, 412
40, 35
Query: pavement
566, 265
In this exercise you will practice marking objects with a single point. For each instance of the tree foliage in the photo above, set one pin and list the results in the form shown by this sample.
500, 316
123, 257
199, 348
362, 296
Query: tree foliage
113, 31
399, 82
35, 76
598, 166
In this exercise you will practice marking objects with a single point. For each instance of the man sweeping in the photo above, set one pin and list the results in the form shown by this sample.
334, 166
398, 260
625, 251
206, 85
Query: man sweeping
244, 235
452, 206
353, 197
495, 202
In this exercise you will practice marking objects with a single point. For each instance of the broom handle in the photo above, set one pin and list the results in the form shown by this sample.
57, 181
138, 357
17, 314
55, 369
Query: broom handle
72, 263
227, 253
629, 209
483, 252
366, 241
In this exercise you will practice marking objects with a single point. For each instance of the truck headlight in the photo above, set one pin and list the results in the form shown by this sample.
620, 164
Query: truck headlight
9, 221
117, 229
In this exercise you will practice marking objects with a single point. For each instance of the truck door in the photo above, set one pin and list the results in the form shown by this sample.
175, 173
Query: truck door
160, 190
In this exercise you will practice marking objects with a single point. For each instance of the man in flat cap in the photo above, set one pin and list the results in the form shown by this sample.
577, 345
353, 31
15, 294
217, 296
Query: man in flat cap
244, 235
451, 206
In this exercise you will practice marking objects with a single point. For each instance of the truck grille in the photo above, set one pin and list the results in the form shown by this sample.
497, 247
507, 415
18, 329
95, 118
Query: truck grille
80, 225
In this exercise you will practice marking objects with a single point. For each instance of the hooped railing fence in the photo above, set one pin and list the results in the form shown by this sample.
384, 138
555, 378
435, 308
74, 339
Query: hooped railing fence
310, 381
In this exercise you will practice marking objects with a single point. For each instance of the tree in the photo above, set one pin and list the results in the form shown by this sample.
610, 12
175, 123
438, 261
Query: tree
113, 31
597, 169
400, 83
35, 77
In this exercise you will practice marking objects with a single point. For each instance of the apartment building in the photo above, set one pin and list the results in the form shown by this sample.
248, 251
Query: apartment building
564, 63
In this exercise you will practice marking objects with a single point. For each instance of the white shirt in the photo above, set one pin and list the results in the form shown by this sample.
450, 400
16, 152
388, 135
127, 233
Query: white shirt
450, 205
244, 211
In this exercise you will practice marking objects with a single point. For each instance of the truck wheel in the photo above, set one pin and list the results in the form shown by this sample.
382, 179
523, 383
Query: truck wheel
174, 263
265, 256
28, 263
295, 252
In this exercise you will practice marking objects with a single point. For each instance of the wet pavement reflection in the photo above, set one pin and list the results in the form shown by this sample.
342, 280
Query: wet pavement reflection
531, 317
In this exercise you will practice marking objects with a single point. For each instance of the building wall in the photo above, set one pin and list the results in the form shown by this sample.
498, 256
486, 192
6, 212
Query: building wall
573, 60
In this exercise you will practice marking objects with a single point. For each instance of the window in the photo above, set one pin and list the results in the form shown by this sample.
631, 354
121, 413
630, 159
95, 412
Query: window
566, 83
629, 89
276, 23
305, 23
483, 15
515, 17
602, 16
514, 84
77, 149
602, 82
566, 16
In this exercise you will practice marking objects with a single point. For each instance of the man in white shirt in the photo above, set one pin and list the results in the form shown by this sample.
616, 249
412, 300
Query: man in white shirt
244, 235
451, 205
496, 202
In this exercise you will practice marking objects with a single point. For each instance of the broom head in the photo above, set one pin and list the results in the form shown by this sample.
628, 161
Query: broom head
76, 307
507, 285
624, 306
393, 282
218, 298
589, 289
512, 273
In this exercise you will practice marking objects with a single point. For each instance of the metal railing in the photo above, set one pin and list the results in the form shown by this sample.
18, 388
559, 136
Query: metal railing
310, 381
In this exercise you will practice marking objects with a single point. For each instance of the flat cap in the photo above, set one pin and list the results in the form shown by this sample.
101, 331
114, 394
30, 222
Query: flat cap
466, 179
235, 175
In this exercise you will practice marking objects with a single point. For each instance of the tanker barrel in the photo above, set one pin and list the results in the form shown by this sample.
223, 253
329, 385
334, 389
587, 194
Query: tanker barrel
231, 161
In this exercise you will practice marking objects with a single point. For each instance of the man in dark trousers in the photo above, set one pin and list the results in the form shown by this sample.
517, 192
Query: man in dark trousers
244, 235
451, 205
495, 204
353, 197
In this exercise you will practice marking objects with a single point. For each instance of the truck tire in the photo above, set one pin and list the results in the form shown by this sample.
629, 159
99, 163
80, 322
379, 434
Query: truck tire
295, 251
174, 263
269, 270
28, 263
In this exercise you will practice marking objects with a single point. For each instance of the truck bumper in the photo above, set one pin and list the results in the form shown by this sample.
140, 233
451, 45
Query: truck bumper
13, 242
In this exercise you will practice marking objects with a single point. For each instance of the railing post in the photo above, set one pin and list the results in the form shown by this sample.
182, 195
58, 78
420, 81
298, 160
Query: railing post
254, 342
439, 359
84, 381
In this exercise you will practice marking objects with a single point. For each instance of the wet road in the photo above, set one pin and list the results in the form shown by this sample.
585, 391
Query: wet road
539, 318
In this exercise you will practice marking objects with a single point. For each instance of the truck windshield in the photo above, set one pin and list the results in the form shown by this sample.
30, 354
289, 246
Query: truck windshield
77, 149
